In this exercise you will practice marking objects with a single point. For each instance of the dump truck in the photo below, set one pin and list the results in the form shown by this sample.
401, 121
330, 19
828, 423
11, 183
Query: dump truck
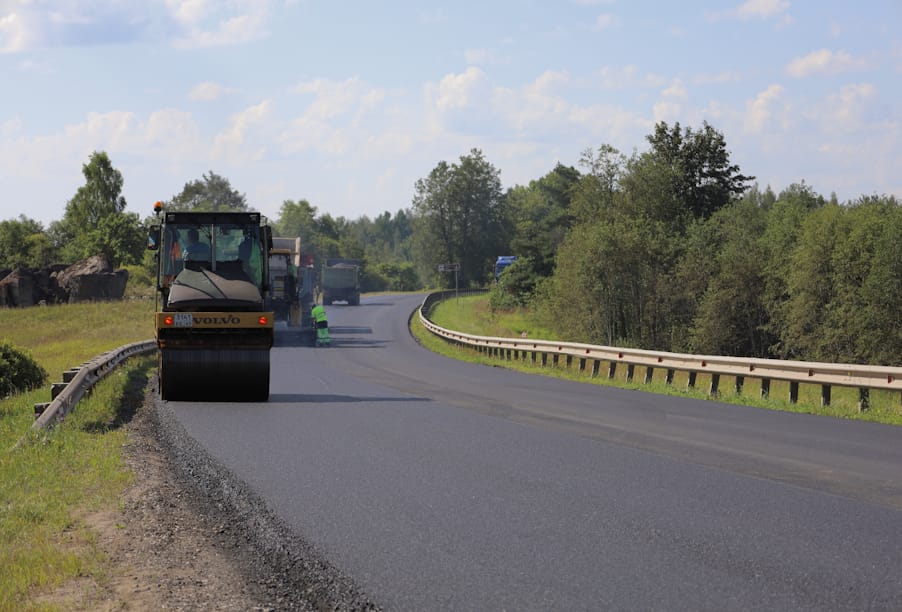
212, 329
340, 281
291, 281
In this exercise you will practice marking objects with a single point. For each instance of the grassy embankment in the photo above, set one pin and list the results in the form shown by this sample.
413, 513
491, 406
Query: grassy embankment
55, 478
471, 315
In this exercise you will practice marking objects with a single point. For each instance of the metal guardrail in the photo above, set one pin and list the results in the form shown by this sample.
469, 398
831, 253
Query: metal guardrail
827, 375
78, 381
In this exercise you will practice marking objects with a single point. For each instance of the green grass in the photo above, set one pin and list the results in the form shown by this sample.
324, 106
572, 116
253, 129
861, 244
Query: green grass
470, 314
51, 479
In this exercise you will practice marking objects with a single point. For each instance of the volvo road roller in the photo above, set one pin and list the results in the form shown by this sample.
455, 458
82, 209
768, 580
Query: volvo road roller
213, 333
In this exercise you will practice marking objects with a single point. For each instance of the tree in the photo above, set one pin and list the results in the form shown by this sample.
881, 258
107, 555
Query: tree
704, 179
730, 318
596, 189
781, 239
23, 243
298, 218
845, 285
122, 238
811, 286
212, 193
460, 217
95, 221
100, 196
541, 216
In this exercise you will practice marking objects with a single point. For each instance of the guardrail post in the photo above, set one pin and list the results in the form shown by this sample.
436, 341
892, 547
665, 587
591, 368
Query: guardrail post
612, 369
740, 381
793, 392
596, 365
569, 361
630, 370
715, 383
554, 360
691, 382
825, 395
56, 388
649, 373
864, 399
668, 378
544, 359
582, 364
765, 388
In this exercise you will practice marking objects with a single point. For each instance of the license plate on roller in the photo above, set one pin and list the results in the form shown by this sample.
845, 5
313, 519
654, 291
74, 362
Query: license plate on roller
184, 319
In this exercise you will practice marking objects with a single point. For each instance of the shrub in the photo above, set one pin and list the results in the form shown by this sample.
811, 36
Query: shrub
18, 371
515, 287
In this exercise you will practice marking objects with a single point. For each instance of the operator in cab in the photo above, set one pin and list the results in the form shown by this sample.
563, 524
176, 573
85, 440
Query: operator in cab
196, 250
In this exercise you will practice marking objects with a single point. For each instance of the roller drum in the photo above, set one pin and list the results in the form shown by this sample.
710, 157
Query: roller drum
218, 374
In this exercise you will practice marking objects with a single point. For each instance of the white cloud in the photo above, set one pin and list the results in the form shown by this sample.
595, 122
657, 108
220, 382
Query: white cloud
173, 133
10, 128
167, 135
540, 112
670, 107
15, 35
605, 21
666, 111
207, 91
845, 110
627, 77
760, 112
333, 121
26, 24
232, 143
676, 90
824, 62
456, 91
188, 11
761, 9
208, 24
757, 10
334, 98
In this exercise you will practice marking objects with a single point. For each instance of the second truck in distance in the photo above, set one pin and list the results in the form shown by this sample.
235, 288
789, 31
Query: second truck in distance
340, 281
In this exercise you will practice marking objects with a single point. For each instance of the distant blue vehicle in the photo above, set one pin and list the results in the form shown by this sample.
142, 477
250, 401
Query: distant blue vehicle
503, 262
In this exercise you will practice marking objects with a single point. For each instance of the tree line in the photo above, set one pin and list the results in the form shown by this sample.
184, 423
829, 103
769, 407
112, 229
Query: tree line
670, 249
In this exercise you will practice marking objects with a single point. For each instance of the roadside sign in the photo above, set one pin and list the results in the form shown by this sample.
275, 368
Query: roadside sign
451, 267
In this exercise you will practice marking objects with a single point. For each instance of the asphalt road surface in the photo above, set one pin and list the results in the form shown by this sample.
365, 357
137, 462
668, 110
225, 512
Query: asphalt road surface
441, 485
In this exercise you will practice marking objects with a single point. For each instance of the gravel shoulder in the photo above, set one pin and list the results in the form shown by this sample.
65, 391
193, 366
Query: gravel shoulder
187, 536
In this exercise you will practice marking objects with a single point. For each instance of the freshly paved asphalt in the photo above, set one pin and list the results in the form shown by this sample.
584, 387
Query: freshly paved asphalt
442, 485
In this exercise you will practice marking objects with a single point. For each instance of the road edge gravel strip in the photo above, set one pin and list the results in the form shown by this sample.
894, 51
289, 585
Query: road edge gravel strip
289, 569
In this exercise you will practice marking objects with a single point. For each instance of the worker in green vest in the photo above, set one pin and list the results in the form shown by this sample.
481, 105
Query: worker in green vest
321, 325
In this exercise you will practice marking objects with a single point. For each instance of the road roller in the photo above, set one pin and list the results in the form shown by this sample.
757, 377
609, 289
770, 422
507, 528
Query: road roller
213, 332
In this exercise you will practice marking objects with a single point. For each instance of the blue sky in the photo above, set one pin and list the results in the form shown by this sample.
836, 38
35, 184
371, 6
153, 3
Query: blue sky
347, 104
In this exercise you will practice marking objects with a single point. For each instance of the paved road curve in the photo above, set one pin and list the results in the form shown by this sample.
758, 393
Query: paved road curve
440, 485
